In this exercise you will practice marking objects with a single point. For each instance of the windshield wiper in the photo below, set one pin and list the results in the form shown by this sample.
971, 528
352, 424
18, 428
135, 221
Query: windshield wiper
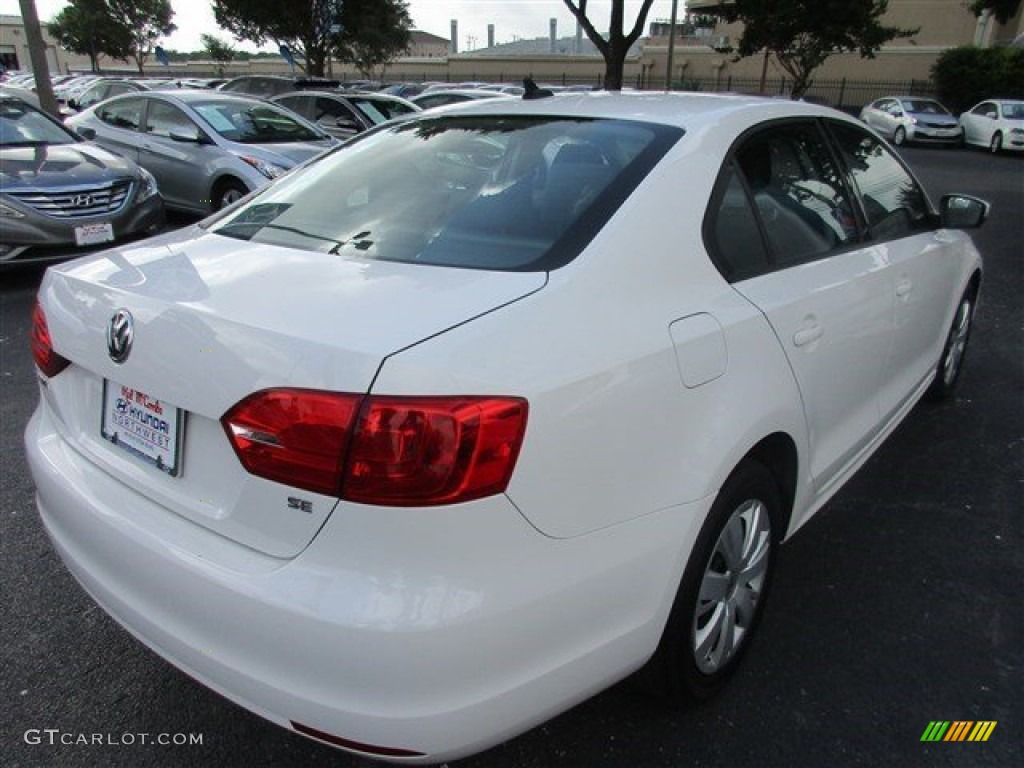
258, 226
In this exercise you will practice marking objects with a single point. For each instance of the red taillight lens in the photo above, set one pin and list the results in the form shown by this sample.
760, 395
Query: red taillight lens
294, 436
48, 361
396, 451
418, 451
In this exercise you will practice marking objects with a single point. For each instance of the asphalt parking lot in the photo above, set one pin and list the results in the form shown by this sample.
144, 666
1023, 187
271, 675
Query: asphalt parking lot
898, 605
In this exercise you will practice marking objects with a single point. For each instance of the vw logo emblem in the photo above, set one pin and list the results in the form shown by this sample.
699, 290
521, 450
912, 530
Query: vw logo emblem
120, 334
81, 201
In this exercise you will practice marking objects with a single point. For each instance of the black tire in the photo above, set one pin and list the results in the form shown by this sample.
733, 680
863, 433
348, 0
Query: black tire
996, 145
951, 363
900, 137
228, 192
683, 670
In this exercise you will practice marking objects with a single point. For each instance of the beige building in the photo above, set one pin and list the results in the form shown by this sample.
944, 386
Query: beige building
428, 46
14, 49
943, 24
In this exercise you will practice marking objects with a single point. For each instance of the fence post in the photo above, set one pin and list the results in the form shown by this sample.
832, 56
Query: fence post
782, 86
842, 93
728, 83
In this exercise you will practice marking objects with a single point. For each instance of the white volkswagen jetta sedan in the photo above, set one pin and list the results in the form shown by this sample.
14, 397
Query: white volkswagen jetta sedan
489, 409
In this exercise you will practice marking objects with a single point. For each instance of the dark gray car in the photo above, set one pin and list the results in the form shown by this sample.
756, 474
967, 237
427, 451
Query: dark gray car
59, 193
206, 149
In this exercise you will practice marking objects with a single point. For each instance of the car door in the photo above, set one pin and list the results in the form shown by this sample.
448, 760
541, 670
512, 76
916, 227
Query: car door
922, 258
118, 124
827, 297
876, 116
179, 166
978, 123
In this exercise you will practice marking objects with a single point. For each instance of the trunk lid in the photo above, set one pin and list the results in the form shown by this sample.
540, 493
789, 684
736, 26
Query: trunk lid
216, 319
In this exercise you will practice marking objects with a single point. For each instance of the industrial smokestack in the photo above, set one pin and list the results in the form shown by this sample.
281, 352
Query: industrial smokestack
490, 35
455, 35
579, 39
554, 33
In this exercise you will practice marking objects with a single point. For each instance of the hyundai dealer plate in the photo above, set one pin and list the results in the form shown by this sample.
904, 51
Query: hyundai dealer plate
148, 428
94, 234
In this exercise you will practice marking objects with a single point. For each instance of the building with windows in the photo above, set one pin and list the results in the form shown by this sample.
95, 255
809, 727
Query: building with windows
14, 50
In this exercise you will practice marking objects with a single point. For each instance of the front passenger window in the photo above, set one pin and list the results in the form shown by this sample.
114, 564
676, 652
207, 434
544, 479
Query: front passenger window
894, 204
164, 119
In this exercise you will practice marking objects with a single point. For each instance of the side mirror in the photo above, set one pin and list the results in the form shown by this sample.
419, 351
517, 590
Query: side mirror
74, 104
186, 135
86, 133
962, 211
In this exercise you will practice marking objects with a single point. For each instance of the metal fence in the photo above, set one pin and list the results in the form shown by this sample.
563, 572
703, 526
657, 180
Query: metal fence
843, 93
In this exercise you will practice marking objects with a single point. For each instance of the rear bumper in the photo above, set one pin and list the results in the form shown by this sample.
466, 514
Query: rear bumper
436, 633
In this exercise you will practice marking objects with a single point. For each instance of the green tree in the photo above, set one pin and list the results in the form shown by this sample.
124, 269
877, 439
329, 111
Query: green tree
966, 75
615, 47
220, 52
87, 27
372, 34
305, 27
803, 34
1003, 10
146, 21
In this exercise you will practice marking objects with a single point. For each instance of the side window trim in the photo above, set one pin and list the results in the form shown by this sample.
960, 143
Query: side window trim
709, 224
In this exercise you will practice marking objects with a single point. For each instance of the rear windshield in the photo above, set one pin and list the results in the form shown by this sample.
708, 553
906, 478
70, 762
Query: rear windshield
482, 192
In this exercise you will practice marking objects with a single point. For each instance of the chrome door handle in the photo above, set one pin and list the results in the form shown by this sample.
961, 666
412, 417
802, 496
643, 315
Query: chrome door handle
903, 287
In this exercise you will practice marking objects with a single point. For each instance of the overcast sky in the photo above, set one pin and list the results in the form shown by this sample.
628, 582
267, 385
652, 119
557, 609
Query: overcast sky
511, 18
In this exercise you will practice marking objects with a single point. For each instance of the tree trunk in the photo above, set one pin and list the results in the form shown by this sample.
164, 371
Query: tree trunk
614, 68
37, 55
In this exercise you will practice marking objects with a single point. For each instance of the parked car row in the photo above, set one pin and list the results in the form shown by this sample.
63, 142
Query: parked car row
995, 124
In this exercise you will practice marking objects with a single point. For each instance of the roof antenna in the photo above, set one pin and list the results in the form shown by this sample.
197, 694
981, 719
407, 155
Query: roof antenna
534, 91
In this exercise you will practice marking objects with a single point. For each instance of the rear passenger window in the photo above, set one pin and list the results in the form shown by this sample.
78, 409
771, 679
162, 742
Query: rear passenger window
126, 113
798, 193
895, 205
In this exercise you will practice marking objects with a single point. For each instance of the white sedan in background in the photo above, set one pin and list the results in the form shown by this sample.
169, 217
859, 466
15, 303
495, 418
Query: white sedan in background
996, 123
486, 410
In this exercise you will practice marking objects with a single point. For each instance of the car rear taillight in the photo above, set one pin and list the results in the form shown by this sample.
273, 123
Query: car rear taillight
48, 361
418, 451
294, 436
396, 451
